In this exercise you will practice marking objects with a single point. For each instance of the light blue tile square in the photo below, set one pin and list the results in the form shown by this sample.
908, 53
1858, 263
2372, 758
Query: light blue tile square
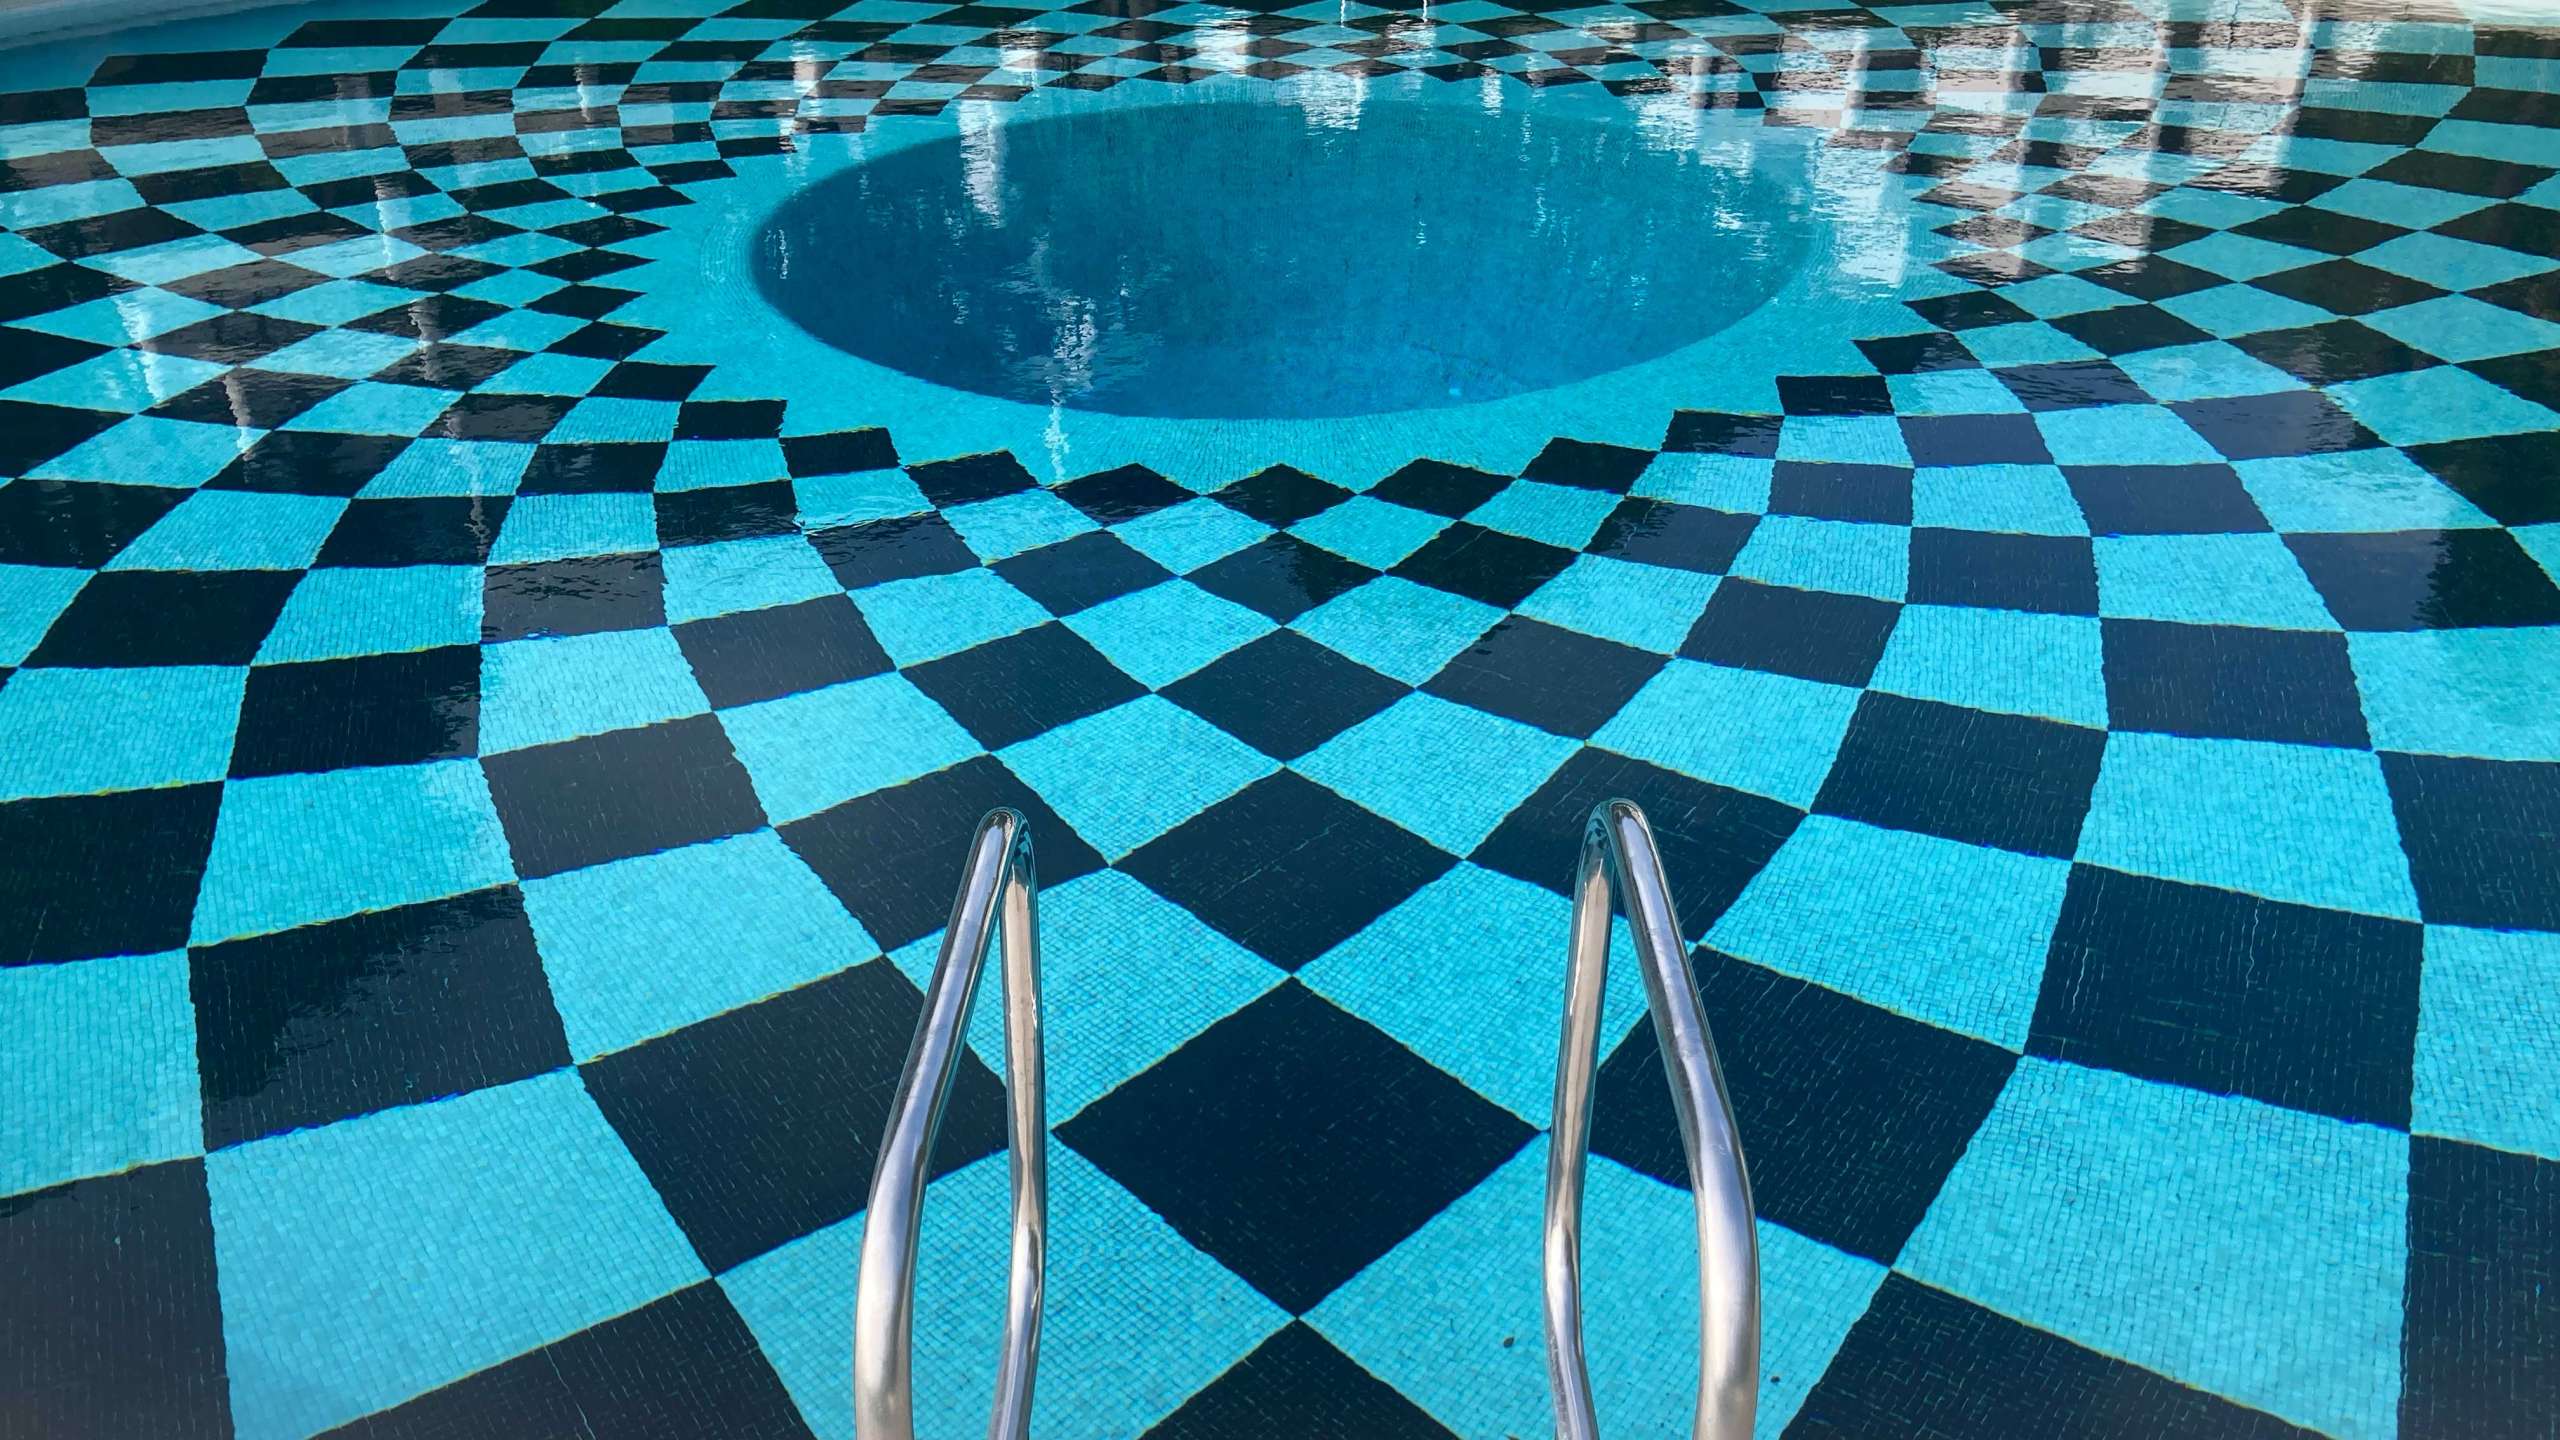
1489, 765
1135, 771
1377, 533
2009, 499
549, 373
294, 849
101, 1060
2010, 661
723, 924
1935, 929
2375, 489
1847, 439
374, 408
32, 597
2493, 693
340, 612
1841, 556
345, 354
1561, 515
1184, 537
608, 419
731, 575
146, 450
1730, 483
717, 464
2123, 435
936, 615
2460, 328
1010, 524
336, 302
1772, 735
815, 750
558, 527
123, 319
2542, 542
379, 1258
1396, 627
78, 732
1162, 633
1650, 607
175, 259
2488, 1058
2207, 580
2451, 264
2240, 257
436, 466
235, 530
2229, 310
2421, 407
2251, 1251
2290, 822
2412, 206
2026, 343
2213, 369
850, 499
1952, 392
534, 692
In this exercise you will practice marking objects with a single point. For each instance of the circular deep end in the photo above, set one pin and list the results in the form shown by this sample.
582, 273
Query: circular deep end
1239, 260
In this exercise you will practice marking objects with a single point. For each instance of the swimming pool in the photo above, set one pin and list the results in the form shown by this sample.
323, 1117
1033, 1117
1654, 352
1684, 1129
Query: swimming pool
511, 601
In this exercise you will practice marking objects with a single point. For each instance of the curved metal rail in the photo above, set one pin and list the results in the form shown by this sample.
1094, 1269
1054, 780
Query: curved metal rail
1618, 853
999, 872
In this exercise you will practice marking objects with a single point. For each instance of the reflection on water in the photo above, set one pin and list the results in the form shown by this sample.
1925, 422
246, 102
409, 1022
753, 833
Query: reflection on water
1317, 259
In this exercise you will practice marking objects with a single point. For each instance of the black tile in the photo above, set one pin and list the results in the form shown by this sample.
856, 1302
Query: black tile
236, 338
2231, 994
2153, 277
629, 792
1974, 440
2334, 352
1287, 867
1112, 496
370, 710
2071, 384
310, 1026
54, 287
614, 468
782, 650
2525, 228
2483, 1299
1281, 576
2478, 836
2346, 287
2005, 780
2129, 329
727, 512
841, 452
1810, 634
2508, 476
1297, 1384
577, 596
970, 478
926, 823
77, 523
1834, 395
1024, 684
729, 420
119, 1326
520, 418
31, 434
166, 617
26, 354
1923, 1362
309, 462
240, 286
1284, 694
681, 1368
2055, 574
1970, 310
1851, 1116
906, 547
250, 398
2164, 500
2334, 231
1682, 537
2535, 377
1439, 487
2471, 175
1295, 1143
2232, 682
1712, 840
2427, 579
1589, 466
432, 530
1281, 496
1487, 565
102, 874
1877, 494
1918, 354
2288, 422
1535, 673
761, 1125
1716, 432
1082, 572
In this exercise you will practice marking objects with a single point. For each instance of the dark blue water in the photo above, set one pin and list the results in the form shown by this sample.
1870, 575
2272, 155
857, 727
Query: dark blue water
1229, 259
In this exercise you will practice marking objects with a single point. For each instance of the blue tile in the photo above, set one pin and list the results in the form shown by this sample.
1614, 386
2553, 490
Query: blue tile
332, 613
32, 597
922, 619
149, 451
2352, 490
1557, 514
732, 575
1502, 761
851, 499
346, 354
2122, 435
373, 408
2460, 328
560, 527
1651, 607
2209, 580
74, 732
2011, 499
437, 466
292, 849
1731, 483
1184, 537
1773, 735
533, 692
815, 750
2451, 264
1849, 439
235, 530
1375, 532
1840, 556
1130, 773
2487, 1059
2422, 407
101, 1058
2492, 693
1011, 524
2009, 661
2206, 371
1397, 628
1160, 634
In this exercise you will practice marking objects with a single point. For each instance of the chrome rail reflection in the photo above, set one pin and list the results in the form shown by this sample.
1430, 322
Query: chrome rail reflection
1000, 877
1618, 854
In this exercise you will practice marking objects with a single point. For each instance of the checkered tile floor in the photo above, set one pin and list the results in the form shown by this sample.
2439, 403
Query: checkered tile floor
468, 860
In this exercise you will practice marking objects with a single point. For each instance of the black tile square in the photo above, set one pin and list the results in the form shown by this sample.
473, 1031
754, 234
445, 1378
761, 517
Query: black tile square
1834, 395
1680, 537
1112, 496
2071, 384
76, 523
729, 420
841, 452
2006, 780
2054, 574
2483, 1301
521, 418
1852, 1116
32, 434
926, 823
613, 468
250, 399
1589, 466
2334, 353
1970, 310
1281, 576
2346, 287
126, 1338
1295, 1143
577, 596
1810, 634
2508, 476
2288, 422
1879, 494
310, 1026
94, 875
309, 462
1974, 440
628, 792
1082, 572
2164, 500
971, 478
2334, 231
1295, 1383
1919, 354
370, 710
906, 547
2233, 682
1281, 496
1287, 868
727, 512
1487, 565
753, 655
235, 338
1284, 694
2534, 377
2152, 277
2231, 994
2129, 329
1717, 432
1538, 674
646, 380
1024, 684
26, 354
2478, 836
166, 617
431, 530
763, 1124
2427, 579
1713, 840
1439, 487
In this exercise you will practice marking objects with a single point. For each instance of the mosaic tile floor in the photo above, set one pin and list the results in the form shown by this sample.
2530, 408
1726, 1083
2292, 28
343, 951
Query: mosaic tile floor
478, 788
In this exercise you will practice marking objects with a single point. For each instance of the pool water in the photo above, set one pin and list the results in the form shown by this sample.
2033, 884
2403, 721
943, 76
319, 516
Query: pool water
530, 531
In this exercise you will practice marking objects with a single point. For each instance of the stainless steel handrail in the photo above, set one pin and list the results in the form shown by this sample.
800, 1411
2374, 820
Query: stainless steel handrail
1618, 852
1000, 870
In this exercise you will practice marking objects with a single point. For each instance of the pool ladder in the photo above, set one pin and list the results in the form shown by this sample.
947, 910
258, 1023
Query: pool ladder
999, 882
